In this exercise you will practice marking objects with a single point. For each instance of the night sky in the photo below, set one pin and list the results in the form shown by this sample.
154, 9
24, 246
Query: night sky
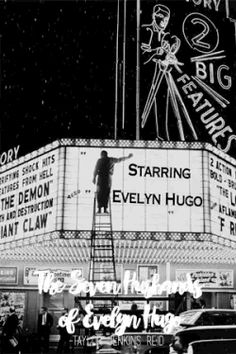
58, 71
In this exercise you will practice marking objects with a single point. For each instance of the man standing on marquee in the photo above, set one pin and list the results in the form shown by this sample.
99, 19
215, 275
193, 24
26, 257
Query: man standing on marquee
103, 173
45, 322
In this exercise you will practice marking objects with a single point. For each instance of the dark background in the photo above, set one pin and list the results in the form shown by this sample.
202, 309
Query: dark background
227, 43
58, 71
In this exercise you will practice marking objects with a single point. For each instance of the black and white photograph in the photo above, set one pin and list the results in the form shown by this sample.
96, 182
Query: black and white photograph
117, 176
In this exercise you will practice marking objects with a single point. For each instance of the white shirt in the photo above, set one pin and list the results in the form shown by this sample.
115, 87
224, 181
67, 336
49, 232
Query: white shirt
44, 319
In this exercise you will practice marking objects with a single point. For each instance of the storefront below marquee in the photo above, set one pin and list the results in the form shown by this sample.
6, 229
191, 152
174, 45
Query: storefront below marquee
18, 287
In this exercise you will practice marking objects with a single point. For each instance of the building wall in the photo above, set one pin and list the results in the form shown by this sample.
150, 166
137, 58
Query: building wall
215, 297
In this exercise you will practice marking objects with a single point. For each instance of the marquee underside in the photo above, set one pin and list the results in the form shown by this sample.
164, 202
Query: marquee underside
138, 248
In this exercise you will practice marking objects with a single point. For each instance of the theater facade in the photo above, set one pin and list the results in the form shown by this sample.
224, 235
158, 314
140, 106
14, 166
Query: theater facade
173, 212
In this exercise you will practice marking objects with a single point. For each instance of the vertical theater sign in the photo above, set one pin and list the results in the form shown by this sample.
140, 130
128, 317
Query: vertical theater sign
187, 72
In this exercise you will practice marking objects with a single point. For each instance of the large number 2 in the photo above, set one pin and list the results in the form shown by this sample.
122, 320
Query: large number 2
196, 41
200, 33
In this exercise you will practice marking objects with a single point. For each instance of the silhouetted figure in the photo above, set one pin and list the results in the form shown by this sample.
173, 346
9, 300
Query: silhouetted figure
45, 322
195, 304
103, 171
10, 334
202, 303
136, 312
64, 341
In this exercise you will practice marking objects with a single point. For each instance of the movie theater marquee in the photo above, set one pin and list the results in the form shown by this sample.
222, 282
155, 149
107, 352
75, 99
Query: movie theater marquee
165, 189
223, 197
28, 197
155, 190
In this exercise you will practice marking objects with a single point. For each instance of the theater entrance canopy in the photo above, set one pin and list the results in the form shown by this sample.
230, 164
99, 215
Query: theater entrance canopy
169, 202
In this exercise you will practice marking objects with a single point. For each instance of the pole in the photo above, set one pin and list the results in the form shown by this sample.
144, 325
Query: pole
0, 89
116, 69
227, 8
0, 66
138, 70
124, 66
235, 31
167, 278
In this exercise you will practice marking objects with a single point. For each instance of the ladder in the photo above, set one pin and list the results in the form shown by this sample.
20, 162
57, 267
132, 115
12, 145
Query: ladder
102, 259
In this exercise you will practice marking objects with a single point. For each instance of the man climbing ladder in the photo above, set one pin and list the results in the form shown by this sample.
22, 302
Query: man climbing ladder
103, 174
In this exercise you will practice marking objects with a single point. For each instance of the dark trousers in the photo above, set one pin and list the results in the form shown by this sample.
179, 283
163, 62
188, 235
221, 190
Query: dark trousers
103, 191
44, 333
7, 347
63, 344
